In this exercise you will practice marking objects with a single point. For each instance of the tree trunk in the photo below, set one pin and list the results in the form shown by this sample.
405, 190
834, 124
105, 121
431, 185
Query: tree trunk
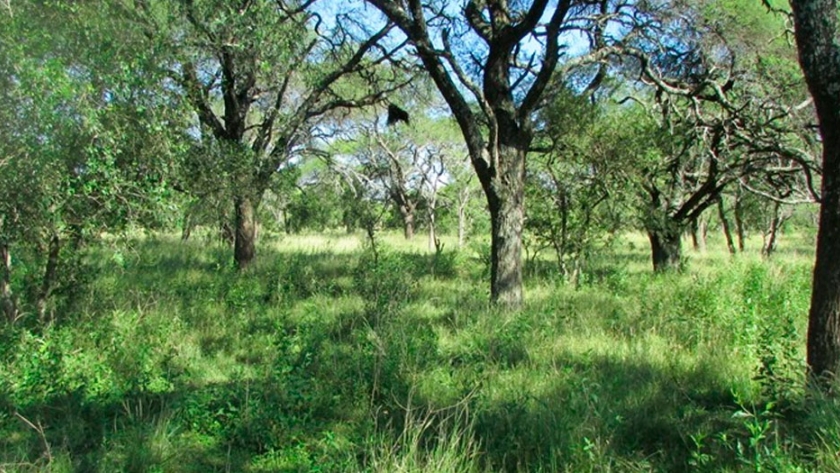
462, 220
408, 221
506, 219
666, 249
698, 235
50, 275
738, 211
432, 232
771, 235
816, 25
186, 230
244, 249
727, 232
7, 302
505, 192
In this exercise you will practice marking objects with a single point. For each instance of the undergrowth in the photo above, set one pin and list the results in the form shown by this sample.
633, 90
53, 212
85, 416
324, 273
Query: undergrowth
349, 360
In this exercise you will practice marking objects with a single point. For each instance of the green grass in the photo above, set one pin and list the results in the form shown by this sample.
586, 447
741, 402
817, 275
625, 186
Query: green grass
324, 358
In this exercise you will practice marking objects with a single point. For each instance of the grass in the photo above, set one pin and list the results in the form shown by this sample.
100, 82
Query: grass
324, 358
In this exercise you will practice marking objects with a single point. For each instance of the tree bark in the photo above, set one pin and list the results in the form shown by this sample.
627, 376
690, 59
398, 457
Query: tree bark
432, 232
666, 249
462, 217
738, 212
506, 201
407, 213
727, 232
698, 235
50, 276
7, 302
816, 24
773, 227
244, 246
186, 230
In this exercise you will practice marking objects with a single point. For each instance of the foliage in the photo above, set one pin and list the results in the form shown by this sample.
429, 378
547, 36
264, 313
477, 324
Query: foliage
347, 361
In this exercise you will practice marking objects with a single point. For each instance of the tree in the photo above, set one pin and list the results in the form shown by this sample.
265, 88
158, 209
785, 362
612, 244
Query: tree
498, 66
816, 31
575, 187
725, 107
259, 75
85, 147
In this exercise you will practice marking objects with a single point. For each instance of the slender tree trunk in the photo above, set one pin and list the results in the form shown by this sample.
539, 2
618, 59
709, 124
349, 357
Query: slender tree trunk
462, 219
244, 249
698, 235
186, 230
738, 212
773, 227
7, 302
432, 231
50, 276
724, 222
666, 249
816, 25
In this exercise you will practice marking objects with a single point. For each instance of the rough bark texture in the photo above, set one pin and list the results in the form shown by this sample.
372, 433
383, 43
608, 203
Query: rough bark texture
665, 250
507, 216
245, 242
816, 25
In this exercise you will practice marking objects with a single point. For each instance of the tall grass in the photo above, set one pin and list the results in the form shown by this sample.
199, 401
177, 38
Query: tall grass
327, 357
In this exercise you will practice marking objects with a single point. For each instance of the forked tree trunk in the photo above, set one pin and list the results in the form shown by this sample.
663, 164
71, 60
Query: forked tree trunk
771, 236
408, 221
727, 232
665, 249
244, 245
816, 25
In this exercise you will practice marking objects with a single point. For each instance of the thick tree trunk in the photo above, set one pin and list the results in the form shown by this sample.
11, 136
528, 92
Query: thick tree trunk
816, 25
7, 302
244, 246
506, 219
50, 276
727, 232
505, 194
408, 221
665, 249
